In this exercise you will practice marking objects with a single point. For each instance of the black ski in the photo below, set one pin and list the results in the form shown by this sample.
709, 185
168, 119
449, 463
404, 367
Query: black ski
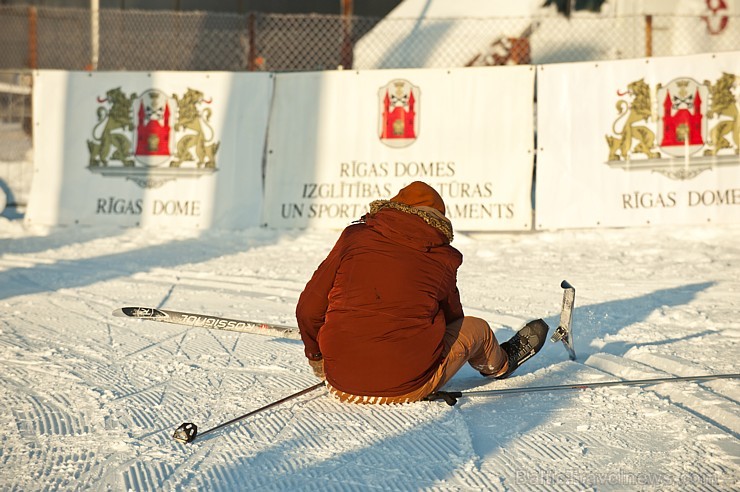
204, 321
564, 331
451, 396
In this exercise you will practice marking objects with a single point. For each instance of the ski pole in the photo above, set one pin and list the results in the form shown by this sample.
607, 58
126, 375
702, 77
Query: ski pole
450, 397
188, 431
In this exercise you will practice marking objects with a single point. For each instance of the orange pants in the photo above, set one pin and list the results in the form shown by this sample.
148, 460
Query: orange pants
467, 340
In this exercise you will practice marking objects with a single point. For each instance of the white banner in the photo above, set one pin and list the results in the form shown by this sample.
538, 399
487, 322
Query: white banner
638, 142
339, 140
167, 149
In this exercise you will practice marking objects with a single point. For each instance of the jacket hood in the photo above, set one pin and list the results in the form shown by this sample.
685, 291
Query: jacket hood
418, 227
420, 194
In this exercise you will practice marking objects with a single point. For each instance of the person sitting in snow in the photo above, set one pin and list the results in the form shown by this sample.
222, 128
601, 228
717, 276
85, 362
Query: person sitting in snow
381, 318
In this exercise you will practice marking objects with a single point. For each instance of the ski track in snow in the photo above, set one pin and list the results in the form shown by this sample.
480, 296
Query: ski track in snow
90, 401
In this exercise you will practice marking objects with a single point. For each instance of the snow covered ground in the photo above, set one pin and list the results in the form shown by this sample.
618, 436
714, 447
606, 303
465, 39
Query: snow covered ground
89, 401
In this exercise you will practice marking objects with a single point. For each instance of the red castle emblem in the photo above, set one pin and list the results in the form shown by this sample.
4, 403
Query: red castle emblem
153, 129
682, 117
399, 113
683, 126
152, 137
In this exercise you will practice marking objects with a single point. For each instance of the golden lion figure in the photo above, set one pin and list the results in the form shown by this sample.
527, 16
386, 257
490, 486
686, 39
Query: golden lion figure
724, 103
119, 116
619, 147
192, 120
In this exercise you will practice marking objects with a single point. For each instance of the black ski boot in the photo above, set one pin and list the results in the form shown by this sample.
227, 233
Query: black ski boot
524, 344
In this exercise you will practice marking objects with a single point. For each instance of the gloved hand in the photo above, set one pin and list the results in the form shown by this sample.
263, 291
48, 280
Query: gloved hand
318, 368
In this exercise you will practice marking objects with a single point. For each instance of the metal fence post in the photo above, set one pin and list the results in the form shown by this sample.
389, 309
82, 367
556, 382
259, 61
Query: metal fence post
347, 10
94, 33
32, 38
648, 36
252, 53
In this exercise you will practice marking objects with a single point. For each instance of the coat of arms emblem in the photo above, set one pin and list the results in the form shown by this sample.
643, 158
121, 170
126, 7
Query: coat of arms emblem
153, 137
680, 129
399, 113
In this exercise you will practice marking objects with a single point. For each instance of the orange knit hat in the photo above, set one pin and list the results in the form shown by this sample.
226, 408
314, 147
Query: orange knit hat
420, 194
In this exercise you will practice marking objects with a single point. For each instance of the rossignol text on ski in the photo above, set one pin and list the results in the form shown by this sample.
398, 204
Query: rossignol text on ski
206, 321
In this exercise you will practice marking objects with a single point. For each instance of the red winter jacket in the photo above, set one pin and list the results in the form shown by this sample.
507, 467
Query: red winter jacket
377, 307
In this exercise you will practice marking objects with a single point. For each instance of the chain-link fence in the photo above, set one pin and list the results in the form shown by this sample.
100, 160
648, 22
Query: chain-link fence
16, 169
61, 38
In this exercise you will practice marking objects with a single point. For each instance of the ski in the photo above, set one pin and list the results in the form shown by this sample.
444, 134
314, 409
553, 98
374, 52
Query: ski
451, 396
564, 331
204, 321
